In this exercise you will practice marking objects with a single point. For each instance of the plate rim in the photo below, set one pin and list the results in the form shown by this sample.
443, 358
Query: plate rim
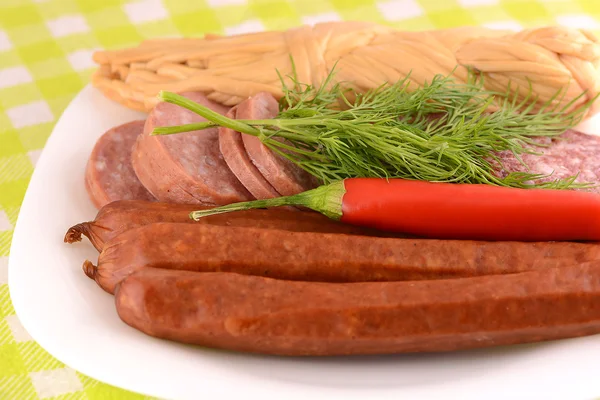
17, 300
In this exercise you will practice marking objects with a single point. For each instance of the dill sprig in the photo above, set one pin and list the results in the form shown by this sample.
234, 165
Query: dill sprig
441, 132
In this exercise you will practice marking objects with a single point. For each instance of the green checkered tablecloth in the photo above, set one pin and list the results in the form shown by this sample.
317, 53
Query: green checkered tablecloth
45, 59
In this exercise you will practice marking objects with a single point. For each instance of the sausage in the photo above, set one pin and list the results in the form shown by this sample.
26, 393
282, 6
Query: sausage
286, 177
262, 315
234, 153
325, 257
187, 167
119, 216
109, 175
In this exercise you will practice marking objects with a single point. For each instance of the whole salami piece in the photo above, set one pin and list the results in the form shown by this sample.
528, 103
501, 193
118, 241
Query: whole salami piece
109, 175
187, 167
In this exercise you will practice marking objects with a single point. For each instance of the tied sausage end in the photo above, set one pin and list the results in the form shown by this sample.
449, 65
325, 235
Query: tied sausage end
91, 230
90, 269
74, 233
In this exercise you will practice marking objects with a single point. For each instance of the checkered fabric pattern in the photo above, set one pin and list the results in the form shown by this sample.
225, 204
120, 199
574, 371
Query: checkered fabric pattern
45, 59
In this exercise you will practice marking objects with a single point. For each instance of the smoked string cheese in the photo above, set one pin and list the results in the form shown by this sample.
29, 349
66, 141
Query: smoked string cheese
229, 69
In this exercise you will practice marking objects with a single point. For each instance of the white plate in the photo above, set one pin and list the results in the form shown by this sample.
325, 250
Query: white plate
76, 322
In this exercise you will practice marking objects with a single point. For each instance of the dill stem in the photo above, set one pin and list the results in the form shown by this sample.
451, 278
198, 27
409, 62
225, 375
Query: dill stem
440, 132
198, 126
207, 113
170, 130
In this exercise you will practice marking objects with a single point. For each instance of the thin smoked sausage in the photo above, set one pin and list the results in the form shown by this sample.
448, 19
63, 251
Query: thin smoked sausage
263, 315
119, 216
324, 257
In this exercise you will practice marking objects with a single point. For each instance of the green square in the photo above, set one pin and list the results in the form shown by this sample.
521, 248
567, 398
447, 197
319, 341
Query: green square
56, 9
157, 29
351, 4
12, 214
88, 6
58, 104
86, 381
50, 68
21, 387
100, 391
590, 7
107, 18
6, 307
73, 43
28, 34
230, 16
489, 14
437, 6
178, 7
556, 8
11, 144
5, 239
279, 24
35, 136
414, 24
18, 95
6, 335
10, 361
35, 358
528, 10
11, 195
10, 58
271, 11
197, 23
86, 74
357, 10
12, 3
19, 166
106, 392
5, 124
79, 395
11, 17
306, 7
451, 18
40, 51
60, 85
119, 36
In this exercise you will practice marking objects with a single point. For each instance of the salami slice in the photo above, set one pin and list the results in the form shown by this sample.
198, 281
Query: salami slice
573, 153
187, 167
286, 177
234, 152
109, 175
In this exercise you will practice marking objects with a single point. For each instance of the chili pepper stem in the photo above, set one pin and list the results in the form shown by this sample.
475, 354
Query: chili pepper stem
326, 199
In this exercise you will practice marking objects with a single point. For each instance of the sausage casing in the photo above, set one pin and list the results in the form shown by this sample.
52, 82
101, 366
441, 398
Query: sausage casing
119, 216
311, 256
263, 315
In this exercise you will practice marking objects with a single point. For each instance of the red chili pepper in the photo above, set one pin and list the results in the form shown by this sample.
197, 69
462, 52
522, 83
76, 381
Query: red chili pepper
447, 210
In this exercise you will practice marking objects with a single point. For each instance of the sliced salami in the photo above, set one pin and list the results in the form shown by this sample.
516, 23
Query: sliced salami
573, 153
234, 152
187, 167
109, 175
286, 177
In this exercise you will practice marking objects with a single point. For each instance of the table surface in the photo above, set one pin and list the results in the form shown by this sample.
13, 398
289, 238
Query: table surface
45, 59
